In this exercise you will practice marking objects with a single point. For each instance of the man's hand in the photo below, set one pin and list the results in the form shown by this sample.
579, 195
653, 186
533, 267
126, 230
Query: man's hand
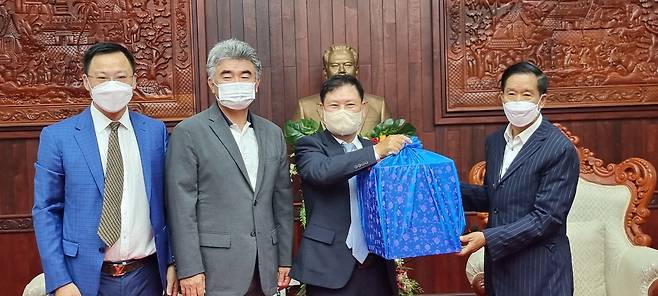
391, 145
194, 285
284, 278
172, 281
474, 241
69, 289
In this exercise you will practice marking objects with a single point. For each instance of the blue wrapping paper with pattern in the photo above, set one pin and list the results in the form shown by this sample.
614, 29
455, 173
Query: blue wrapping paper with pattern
411, 204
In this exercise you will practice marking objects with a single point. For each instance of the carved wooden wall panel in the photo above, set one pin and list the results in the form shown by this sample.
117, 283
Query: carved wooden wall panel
400, 60
596, 53
42, 43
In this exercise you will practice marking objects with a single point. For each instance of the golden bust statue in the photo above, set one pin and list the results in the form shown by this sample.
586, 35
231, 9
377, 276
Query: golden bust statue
342, 59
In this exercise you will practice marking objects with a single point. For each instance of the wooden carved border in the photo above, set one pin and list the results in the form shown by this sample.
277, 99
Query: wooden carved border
600, 66
16, 223
42, 44
636, 173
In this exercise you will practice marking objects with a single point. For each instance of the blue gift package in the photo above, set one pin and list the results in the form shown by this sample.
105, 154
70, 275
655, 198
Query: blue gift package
411, 204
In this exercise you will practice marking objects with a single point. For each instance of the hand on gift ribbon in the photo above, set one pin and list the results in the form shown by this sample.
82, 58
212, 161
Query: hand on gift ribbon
474, 241
391, 145
194, 285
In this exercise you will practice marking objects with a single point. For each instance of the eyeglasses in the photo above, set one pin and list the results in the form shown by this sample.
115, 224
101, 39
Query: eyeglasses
122, 78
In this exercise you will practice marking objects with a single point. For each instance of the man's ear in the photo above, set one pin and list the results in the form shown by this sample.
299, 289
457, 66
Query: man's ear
257, 84
85, 82
212, 86
356, 70
542, 101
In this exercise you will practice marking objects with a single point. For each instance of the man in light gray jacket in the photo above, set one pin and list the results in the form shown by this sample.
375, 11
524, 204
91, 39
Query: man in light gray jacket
228, 191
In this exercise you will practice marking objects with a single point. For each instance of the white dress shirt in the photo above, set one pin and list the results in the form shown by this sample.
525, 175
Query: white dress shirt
356, 240
248, 145
136, 240
515, 144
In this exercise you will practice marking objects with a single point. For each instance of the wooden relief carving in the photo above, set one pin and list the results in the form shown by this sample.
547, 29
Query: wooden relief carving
41, 48
596, 53
16, 223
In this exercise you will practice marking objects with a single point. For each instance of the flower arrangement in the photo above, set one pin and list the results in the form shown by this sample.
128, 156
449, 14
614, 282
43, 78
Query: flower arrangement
295, 130
406, 285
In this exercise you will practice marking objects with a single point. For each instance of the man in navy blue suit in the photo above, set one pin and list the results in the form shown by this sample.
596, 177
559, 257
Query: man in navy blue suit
529, 185
333, 258
99, 192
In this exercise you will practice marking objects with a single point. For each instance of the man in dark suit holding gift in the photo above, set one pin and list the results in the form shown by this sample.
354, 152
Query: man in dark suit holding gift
529, 186
333, 257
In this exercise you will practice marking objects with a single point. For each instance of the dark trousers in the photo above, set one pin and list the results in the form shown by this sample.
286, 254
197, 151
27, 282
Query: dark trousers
144, 281
255, 287
372, 280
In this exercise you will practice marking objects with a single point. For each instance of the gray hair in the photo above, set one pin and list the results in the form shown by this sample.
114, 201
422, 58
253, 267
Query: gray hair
232, 49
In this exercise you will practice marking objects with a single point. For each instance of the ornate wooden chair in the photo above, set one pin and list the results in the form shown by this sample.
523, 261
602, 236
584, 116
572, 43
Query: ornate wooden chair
610, 252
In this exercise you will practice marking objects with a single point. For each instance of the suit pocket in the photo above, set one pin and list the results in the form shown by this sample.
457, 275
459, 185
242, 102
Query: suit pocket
275, 236
70, 248
319, 233
215, 240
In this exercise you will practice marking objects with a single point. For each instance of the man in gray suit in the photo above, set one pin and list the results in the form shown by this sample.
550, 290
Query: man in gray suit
228, 191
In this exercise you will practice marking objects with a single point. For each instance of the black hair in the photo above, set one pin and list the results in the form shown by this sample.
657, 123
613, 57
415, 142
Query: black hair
525, 68
337, 81
106, 48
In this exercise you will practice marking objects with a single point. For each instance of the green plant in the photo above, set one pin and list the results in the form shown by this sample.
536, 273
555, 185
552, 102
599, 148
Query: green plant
391, 127
297, 129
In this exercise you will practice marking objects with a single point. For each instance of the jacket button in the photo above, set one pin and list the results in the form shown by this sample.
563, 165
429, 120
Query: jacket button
495, 211
253, 234
101, 250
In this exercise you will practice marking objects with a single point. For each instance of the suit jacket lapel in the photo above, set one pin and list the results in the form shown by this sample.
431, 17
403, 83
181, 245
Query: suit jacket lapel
85, 136
498, 151
365, 142
261, 138
529, 148
221, 130
143, 143
333, 147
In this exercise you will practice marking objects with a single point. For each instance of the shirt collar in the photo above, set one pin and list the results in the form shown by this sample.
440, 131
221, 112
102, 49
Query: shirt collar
250, 120
101, 122
524, 135
356, 141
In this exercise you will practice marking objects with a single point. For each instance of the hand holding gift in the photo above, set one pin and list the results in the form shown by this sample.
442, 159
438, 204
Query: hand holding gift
391, 145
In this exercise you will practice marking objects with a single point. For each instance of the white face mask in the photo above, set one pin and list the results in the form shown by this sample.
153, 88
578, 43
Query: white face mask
112, 96
521, 113
236, 95
342, 122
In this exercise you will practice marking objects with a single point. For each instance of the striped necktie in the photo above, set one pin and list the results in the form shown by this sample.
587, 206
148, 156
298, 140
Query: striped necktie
109, 229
